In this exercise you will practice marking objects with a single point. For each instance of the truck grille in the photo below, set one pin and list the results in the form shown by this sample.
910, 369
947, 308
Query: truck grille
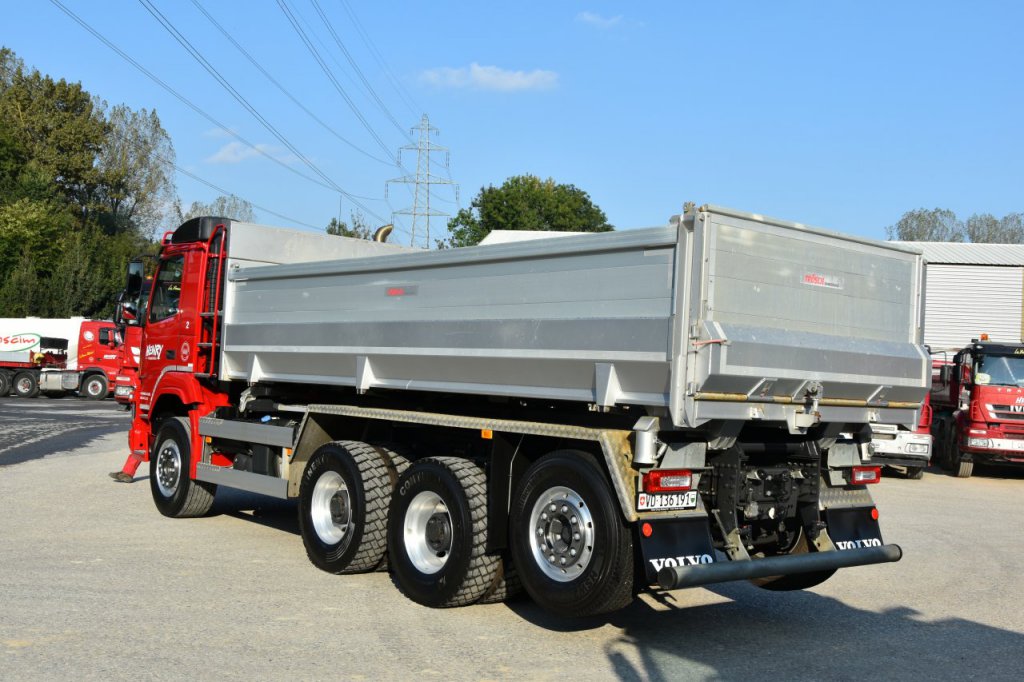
1013, 413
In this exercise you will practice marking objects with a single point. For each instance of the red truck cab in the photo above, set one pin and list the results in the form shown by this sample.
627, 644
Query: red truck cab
979, 407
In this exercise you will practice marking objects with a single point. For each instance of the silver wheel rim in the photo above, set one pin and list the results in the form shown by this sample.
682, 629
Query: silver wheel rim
93, 387
428, 532
561, 534
329, 509
24, 385
168, 467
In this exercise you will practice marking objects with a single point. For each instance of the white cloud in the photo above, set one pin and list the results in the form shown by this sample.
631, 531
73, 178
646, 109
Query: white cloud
597, 20
236, 152
489, 78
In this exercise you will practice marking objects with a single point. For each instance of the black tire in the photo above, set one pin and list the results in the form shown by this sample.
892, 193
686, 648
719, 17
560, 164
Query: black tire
437, 533
5, 384
569, 573
950, 451
964, 469
343, 507
398, 461
915, 473
170, 463
506, 586
96, 387
796, 581
26, 385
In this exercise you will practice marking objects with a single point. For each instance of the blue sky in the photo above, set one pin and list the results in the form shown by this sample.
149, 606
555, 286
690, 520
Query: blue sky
842, 115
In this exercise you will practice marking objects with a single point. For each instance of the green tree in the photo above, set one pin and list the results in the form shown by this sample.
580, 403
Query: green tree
358, 229
986, 228
223, 206
923, 225
61, 128
525, 202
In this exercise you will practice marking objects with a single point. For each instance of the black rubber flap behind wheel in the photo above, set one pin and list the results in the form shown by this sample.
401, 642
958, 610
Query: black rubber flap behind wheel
437, 533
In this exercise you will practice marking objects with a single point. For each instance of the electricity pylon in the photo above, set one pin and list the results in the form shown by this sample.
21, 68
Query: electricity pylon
421, 210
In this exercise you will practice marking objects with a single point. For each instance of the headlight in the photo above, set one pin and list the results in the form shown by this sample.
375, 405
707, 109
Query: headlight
979, 443
917, 448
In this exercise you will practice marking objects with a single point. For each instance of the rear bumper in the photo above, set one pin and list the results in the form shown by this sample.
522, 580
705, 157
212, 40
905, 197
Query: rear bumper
674, 577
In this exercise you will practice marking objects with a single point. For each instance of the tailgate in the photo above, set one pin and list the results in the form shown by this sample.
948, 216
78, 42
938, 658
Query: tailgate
784, 309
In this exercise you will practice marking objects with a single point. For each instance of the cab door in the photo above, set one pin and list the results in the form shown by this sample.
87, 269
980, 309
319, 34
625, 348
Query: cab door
165, 321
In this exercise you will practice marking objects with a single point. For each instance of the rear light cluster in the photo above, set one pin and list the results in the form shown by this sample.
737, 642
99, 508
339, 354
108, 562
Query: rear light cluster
667, 480
865, 475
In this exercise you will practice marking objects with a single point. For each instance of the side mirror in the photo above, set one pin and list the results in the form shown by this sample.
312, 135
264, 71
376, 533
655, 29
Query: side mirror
128, 311
133, 284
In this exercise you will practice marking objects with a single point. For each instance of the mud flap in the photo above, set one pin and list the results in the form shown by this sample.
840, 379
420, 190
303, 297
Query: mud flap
674, 542
853, 527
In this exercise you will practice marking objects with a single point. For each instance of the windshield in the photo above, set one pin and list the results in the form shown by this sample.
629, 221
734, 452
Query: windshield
999, 370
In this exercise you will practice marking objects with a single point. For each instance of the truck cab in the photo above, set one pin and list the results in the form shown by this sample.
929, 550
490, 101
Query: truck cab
896, 446
979, 407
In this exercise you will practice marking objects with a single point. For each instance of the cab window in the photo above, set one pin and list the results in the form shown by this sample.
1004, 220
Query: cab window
167, 289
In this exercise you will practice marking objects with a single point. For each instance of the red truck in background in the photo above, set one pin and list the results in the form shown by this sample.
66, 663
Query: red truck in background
978, 401
128, 317
56, 356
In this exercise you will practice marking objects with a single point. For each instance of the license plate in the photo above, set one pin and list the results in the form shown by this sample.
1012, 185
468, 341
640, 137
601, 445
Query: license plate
658, 501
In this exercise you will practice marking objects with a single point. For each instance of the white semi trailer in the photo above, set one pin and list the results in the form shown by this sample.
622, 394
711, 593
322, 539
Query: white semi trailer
585, 417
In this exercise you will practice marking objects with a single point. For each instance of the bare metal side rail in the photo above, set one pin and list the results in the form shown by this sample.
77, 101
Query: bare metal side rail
673, 577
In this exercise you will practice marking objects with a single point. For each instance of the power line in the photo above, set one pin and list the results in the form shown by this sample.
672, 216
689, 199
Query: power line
359, 72
184, 100
280, 87
191, 49
403, 93
331, 77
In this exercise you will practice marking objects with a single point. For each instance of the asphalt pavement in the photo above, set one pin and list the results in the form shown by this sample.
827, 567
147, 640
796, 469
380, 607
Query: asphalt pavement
96, 584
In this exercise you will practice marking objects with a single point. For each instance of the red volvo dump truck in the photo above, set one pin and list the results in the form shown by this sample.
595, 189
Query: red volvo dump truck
583, 418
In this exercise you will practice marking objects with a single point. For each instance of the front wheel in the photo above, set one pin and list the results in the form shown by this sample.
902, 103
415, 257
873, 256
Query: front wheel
170, 463
96, 387
571, 546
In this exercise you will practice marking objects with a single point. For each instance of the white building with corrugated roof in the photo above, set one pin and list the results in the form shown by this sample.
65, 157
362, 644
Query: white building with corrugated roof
972, 289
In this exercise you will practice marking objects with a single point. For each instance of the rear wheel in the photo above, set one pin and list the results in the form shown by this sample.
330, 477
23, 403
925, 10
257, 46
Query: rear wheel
915, 473
96, 387
437, 533
570, 544
964, 469
5, 384
343, 507
170, 464
26, 385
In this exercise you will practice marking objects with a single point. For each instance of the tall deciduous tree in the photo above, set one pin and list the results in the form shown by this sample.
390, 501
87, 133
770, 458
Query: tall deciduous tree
986, 228
525, 202
223, 206
136, 165
924, 225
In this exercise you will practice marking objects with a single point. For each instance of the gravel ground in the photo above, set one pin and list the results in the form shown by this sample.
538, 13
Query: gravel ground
95, 584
